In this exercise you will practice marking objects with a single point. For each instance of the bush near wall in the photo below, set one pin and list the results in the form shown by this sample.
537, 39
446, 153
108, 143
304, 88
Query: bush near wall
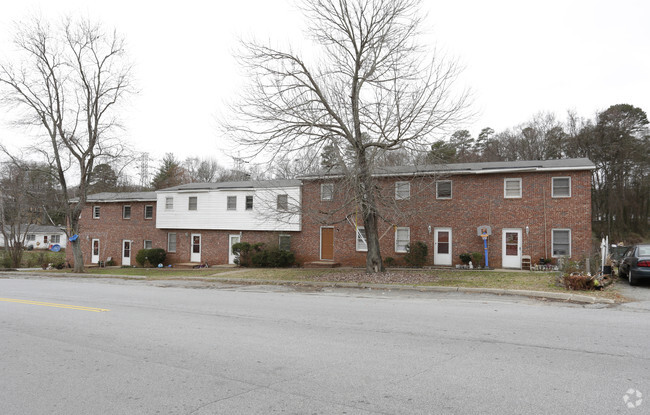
416, 254
150, 257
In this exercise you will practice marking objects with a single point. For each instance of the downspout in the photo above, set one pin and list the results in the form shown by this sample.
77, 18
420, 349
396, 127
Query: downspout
545, 232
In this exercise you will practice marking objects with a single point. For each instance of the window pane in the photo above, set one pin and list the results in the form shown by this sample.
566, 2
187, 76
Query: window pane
285, 242
283, 202
402, 190
401, 239
169, 203
148, 244
362, 243
561, 242
127, 212
513, 188
443, 190
232, 203
561, 187
171, 242
192, 203
249, 202
148, 212
96, 212
327, 191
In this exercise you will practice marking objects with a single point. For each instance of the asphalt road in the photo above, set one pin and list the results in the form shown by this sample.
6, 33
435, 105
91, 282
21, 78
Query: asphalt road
170, 349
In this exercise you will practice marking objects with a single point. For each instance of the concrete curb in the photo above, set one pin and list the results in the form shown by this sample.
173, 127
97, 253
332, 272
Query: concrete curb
573, 298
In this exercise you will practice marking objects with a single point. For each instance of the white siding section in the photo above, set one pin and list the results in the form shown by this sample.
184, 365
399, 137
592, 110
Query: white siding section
212, 212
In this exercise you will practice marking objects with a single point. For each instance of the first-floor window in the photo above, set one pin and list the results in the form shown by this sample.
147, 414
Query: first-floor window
285, 242
171, 242
148, 244
31, 237
362, 244
561, 242
402, 238
55, 239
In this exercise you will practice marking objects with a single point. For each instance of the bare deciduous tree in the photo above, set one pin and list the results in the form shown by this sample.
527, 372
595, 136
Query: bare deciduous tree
370, 87
68, 84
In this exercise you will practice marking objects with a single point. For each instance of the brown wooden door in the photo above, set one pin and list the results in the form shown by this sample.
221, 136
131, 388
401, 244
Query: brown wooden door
327, 243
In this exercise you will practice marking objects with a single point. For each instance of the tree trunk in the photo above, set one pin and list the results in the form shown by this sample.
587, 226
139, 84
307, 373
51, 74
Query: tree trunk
78, 256
366, 195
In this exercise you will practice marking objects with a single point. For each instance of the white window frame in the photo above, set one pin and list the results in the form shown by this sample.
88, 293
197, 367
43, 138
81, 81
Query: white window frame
408, 230
30, 237
55, 239
402, 190
553, 187
280, 241
451, 190
285, 202
144, 245
553, 243
329, 196
362, 241
145, 212
169, 203
96, 212
124, 208
505, 188
169, 234
251, 199
232, 199
196, 202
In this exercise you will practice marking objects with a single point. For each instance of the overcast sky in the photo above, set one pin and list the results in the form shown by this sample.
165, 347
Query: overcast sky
520, 58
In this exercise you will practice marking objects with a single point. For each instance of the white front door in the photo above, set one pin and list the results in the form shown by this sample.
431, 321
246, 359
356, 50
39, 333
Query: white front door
195, 253
232, 239
442, 246
511, 248
94, 256
126, 252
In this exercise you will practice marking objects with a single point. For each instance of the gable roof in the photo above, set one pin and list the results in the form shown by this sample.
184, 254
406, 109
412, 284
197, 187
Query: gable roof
248, 184
475, 168
122, 197
31, 228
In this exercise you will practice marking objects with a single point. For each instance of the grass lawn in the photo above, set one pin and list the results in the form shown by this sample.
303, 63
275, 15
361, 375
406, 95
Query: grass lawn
513, 280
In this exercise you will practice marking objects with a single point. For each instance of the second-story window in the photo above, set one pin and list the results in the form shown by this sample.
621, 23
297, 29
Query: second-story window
148, 212
561, 187
192, 203
327, 191
126, 212
512, 188
169, 203
95, 212
249, 202
443, 189
402, 190
283, 202
232, 203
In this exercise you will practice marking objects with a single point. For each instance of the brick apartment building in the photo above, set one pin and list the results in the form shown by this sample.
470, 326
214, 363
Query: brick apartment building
540, 209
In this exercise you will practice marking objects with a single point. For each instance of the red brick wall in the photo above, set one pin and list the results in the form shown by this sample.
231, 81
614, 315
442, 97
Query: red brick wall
477, 200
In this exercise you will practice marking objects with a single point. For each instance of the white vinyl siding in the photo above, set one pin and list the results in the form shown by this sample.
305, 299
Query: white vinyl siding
402, 238
402, 190
561, 187
561, 240
443, 189
362, 243
327, 191
171, 242
512, 188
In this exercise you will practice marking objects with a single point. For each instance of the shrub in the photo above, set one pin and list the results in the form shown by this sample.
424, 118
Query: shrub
152, 257
389, 261
245, 252
577, 281
5, 260
273, 258
465, 258
477, 258
416, 254
111, 262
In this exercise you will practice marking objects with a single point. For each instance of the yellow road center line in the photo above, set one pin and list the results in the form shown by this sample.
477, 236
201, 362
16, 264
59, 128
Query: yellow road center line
69, 306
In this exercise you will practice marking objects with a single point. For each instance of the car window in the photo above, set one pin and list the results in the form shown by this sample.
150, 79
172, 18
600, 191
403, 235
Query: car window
644, 251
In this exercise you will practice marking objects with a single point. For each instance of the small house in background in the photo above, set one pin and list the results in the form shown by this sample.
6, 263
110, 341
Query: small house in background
39, 236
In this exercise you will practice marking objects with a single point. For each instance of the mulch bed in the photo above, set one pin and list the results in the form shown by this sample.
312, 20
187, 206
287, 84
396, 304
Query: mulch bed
391, 277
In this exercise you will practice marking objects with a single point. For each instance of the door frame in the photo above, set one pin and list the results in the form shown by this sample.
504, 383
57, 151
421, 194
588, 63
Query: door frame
438, 258
94, 259
231, 256
321, 243
503, 247
194, 255
126, 261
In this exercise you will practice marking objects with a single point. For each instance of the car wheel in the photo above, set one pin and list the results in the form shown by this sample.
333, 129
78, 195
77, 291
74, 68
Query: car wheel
632, 279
